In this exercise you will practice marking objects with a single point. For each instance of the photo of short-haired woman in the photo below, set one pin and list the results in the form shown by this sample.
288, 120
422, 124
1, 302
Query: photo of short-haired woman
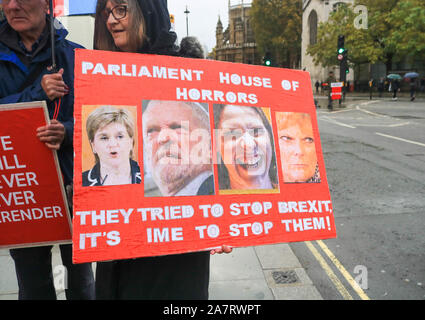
245, 150
112, 135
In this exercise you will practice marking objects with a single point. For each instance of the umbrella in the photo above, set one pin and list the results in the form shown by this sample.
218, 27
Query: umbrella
394, 76
411, 75
52, 36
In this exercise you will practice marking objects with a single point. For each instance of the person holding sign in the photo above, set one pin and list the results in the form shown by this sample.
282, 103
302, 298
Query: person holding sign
111, 134
246, 149
297, 147
177, 143
25, 54
143, 26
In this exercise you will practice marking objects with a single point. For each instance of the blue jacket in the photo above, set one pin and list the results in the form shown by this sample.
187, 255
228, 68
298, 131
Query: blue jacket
13, 74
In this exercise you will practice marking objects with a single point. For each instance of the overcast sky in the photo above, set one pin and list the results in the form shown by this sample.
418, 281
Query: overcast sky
203, 18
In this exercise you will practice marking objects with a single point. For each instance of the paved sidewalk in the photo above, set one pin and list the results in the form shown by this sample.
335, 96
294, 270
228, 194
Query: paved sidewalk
269, 272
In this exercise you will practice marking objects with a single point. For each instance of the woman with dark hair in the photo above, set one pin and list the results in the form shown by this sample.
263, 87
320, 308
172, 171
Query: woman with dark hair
143, 26
246, 148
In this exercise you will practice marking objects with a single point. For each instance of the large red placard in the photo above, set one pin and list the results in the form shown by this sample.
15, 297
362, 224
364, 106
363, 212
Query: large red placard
257, 119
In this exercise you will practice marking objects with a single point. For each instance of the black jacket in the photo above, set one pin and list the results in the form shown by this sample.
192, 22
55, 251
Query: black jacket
172, 277
161, 40
92, 177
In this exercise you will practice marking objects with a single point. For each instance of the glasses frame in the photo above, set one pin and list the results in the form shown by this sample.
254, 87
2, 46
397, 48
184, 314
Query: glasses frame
107, 12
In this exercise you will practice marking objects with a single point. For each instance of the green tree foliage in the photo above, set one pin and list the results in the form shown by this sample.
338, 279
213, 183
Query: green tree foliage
277, 25
408, 38
395, 30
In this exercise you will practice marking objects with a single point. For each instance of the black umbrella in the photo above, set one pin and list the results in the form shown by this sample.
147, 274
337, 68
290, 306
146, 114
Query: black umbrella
52, 36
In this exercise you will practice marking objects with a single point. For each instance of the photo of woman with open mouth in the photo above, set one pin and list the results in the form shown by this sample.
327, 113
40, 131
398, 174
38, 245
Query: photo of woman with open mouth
111, 134
245, 149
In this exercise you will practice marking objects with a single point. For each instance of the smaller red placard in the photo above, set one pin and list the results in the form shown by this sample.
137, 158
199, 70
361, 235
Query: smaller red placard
33, 208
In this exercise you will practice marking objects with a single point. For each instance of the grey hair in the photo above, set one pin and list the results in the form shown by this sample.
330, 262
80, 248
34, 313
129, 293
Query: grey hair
190, 47
198, 109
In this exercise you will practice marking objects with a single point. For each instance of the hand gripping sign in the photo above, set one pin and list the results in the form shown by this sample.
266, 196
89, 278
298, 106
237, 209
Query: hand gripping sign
175, 155
33, 206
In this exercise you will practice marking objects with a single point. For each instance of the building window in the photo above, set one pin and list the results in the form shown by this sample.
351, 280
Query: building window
338, 5
312, 27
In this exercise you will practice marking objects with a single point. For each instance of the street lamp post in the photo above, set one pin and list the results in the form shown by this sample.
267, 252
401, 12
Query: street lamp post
187, 21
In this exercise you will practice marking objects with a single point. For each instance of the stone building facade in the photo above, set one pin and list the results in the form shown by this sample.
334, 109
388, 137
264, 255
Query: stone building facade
236, 43
315, 12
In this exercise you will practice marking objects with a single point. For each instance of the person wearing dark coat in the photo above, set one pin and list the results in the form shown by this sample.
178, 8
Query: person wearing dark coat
25, 53
143, 26
413, 87
395, 87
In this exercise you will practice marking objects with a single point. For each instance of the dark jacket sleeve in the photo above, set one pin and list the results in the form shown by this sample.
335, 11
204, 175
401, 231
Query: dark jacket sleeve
33, 92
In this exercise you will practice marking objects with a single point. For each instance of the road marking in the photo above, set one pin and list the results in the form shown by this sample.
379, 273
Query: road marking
336, 122
383, 125
372, 113
340, 111
343, 271
338, 284
369, 102
400, 139
399, 125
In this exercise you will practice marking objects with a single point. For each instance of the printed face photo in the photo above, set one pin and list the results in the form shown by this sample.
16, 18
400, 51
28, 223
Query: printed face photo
245, 148
297, 147
112, 144
177, 146
109, 146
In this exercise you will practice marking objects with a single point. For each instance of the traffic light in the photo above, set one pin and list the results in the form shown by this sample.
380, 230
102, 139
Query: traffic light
267, 59
341, 48
342, 55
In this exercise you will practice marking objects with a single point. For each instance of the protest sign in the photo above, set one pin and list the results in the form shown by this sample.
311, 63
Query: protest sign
176, 155
33, 208
336, 90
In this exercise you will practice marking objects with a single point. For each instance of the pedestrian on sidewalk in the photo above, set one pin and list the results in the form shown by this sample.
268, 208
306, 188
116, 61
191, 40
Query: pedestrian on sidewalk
331, 78
25, 54
395, 87
371, 84
413, 87
143, 26
317, 85
381, 86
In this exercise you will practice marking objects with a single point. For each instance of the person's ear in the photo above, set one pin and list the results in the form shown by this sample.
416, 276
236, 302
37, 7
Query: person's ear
92, 147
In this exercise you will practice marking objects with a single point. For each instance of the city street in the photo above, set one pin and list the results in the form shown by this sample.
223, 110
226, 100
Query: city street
150, 128
374, 154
